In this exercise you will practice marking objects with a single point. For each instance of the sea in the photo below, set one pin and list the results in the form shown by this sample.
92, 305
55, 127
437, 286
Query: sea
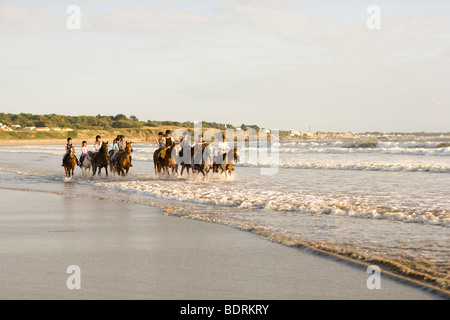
384, 203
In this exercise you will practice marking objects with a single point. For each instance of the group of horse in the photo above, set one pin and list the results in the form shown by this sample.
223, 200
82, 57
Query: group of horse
201, 161
99, 160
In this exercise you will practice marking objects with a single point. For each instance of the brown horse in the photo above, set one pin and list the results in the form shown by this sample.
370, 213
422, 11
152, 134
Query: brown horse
165, 164
187, 166
70, 161
204, 160
124, 160
101, 159
227, 167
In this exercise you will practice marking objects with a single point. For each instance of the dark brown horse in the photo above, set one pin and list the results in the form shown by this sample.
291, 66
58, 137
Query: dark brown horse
165, 163
204, 160
227, 165
124, 160
187, 166
101, 159
70, 161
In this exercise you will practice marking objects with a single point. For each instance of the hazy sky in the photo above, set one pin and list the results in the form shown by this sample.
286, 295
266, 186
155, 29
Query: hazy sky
280, 64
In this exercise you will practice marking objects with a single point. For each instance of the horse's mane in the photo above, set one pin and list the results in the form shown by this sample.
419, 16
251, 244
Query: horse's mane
103, 148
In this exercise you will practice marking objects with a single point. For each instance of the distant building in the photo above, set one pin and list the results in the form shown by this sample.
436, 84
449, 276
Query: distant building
15, 126
294, 132
42, 129
55, 129
67, 129
29, 128
5, 127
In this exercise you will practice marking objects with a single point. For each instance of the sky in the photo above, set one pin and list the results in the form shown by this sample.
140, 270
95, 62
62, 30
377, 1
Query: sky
280, 64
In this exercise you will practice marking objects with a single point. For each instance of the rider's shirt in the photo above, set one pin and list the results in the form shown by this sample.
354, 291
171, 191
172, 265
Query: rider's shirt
223, 147
97, 146
84, 151
161, 143
68, 147
121, 145
167, 142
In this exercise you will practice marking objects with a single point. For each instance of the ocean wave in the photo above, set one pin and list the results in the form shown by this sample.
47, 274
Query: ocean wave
211, 193
392, 167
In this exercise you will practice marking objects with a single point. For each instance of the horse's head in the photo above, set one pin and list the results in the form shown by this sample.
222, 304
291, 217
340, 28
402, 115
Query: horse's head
128, 147
104, 147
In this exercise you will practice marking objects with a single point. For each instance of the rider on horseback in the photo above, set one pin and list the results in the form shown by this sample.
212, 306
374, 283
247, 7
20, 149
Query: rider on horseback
167, 142
199, 146
68, 149
184, 143
98, 143
221, 150
122, 145
84, 152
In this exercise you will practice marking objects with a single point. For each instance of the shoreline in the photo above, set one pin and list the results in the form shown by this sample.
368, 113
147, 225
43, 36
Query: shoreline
77, 141
154, 256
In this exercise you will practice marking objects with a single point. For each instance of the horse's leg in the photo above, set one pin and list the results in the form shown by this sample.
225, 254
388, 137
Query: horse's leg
106, 170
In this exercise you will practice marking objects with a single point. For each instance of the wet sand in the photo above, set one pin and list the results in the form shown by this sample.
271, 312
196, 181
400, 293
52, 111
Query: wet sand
131, 251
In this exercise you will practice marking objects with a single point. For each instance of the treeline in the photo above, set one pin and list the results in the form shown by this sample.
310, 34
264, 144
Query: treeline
101, 122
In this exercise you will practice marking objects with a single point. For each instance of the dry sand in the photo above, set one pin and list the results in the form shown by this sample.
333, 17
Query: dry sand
130, 251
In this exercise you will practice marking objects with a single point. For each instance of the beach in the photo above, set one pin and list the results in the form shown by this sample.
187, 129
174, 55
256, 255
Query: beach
331, 206
131, 251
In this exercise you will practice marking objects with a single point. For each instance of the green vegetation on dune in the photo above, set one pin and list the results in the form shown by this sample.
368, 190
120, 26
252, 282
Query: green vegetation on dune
99, 122
86, 126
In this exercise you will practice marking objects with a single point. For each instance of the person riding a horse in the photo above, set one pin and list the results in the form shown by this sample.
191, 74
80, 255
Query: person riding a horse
122, 145
199, 146
98, 143
114, 149
184, 144
68, 148
84, 152
221, 150
167, 142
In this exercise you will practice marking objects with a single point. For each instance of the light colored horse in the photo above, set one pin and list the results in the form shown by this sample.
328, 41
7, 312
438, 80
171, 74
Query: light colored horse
87, 163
